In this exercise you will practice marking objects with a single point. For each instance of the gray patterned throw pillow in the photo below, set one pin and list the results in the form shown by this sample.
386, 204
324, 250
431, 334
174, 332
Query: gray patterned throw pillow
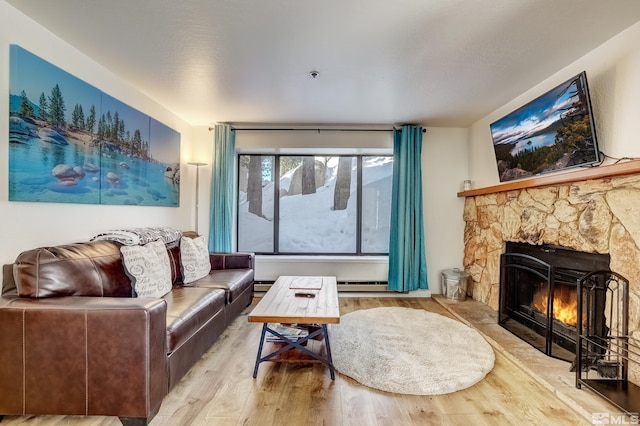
194, 258
148, 268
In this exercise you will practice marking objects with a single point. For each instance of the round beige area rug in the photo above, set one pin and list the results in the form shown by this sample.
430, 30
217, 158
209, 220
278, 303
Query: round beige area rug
409, 351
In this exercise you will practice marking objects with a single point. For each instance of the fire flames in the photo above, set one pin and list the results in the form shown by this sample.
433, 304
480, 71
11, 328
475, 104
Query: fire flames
565, 306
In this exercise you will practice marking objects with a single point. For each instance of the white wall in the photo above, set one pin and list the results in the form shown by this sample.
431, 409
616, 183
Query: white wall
324, 141
344, 268
613, 74
201, 152
444, 168
28, 225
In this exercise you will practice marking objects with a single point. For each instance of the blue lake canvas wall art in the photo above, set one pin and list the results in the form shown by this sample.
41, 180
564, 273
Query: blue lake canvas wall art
551, 133
69, 142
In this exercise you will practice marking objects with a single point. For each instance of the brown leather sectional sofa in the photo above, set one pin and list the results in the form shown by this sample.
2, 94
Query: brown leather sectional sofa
74, 341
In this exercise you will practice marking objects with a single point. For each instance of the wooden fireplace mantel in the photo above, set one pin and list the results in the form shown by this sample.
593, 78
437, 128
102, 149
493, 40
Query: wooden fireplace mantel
577, 175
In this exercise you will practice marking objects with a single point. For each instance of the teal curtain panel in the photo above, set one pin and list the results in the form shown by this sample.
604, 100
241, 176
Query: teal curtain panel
222, 178
407, 261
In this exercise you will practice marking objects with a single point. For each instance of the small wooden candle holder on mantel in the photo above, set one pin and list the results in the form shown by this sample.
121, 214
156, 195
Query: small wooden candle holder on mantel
577, 175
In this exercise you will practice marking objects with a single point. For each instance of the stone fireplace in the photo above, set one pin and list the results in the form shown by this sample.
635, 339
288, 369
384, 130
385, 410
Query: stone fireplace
595, 216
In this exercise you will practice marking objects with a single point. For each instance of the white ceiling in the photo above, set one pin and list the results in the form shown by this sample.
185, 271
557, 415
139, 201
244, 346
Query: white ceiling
433, 62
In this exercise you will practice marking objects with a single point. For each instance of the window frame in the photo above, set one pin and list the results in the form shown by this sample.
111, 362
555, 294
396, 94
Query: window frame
276, 203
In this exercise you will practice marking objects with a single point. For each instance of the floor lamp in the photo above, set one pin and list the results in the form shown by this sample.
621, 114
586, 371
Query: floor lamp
198, 165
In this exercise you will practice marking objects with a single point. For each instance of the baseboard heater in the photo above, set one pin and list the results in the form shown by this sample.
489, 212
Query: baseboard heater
351, 286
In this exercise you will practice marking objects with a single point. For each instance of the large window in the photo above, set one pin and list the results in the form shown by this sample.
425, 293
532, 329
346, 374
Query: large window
314, 204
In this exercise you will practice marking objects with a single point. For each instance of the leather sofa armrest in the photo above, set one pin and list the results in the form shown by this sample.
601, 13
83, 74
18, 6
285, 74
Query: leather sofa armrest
83, 356
232, 260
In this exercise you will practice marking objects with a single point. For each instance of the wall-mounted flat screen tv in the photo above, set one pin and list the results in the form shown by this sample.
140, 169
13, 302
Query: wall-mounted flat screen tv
553, 132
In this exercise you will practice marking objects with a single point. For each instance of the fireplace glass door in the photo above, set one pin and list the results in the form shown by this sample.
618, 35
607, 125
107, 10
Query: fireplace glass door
538, 295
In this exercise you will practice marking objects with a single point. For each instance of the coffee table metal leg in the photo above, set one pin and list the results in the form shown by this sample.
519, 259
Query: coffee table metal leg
329, 359
259, 356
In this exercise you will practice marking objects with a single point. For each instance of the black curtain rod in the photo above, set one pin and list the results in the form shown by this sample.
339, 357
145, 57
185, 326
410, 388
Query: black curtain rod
309, 130
319, 130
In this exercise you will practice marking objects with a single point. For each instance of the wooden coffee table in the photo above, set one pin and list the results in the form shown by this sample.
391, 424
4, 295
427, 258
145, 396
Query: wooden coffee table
303, 301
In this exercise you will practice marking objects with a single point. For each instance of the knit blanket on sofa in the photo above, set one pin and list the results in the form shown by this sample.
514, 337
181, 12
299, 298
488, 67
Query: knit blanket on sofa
140, 236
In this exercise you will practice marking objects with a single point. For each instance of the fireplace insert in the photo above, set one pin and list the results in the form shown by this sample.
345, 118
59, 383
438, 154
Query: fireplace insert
538, 295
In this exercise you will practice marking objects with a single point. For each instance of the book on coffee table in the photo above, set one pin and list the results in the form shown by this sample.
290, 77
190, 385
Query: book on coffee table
306, 283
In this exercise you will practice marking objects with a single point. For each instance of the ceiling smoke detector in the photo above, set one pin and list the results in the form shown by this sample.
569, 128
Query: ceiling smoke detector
314, 74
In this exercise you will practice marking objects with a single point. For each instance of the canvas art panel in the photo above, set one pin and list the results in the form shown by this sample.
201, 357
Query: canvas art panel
69, 142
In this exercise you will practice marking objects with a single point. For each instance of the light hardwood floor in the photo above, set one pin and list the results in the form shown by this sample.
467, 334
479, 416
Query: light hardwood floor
220, 390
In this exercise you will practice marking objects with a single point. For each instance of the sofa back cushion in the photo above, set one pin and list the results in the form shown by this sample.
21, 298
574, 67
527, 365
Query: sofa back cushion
82, 269
8, 283
173, 251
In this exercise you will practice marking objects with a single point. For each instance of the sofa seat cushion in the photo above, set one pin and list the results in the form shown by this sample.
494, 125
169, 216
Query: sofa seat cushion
188, 310
233, 281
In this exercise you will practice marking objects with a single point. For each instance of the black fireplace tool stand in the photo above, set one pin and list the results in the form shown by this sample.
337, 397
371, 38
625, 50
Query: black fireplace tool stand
604, 350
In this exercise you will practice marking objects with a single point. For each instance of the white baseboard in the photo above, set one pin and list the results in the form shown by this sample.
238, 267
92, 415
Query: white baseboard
379, 294
386, 294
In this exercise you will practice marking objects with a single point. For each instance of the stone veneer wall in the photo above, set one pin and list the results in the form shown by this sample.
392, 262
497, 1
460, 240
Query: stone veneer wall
598, 216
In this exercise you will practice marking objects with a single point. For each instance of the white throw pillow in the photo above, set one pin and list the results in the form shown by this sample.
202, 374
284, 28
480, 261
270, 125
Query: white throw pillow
149, 269
194, 259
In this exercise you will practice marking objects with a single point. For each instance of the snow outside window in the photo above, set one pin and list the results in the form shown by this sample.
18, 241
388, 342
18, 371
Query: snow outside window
324, 204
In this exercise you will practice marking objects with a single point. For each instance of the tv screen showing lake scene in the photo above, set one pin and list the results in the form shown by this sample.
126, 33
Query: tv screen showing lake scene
69, 142
553, 132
